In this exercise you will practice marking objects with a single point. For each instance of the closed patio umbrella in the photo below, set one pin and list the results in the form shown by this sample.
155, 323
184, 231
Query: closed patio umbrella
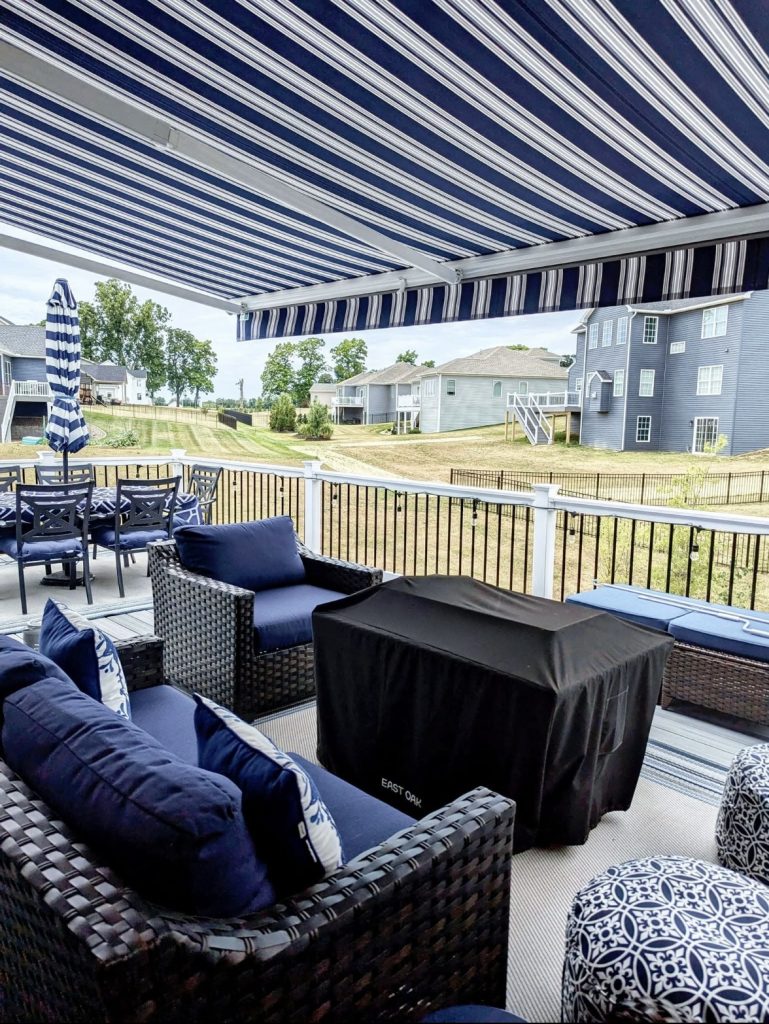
66, 431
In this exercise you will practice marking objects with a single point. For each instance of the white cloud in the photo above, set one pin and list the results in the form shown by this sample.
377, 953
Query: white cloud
26, 282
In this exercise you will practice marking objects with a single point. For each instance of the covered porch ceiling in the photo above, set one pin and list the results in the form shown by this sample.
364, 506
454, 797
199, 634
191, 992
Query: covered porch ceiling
332, 165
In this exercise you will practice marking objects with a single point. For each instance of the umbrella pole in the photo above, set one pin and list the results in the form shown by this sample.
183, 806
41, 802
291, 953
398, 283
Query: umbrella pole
65, 466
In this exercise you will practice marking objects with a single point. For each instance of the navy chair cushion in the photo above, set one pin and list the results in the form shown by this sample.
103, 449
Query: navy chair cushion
290, 825
283, 616
168, 715
743, 633
40, 551
105, 536
644, 607
254, 555
174, 832
20, 666
471, 1014
363, 821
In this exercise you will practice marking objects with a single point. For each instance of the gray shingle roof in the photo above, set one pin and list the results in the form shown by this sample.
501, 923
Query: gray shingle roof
108, 373
27, 341
503, 362
396, 373
323, 389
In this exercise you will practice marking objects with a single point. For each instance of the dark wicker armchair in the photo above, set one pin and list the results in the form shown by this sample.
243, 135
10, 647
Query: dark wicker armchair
208, 631
417, 923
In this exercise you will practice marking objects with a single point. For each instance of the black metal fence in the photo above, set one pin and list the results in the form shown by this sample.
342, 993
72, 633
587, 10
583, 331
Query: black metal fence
694, 488
227, 421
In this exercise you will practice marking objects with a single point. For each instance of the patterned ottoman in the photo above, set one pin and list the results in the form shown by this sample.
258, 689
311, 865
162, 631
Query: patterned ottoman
742, 828
683, 939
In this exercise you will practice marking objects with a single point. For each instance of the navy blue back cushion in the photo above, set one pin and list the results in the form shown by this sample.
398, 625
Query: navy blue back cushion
254, 555
174, 832
72, 649
20, 666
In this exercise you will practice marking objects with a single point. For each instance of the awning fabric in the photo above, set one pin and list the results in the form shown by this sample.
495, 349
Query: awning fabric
458, 128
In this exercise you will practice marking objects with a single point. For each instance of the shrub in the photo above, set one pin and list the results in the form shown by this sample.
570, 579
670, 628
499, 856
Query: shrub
283, 415
125, 439
317, 424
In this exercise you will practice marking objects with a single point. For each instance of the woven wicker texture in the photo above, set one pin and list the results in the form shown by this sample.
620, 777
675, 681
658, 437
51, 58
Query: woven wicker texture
414, 924
723, 682
208, 631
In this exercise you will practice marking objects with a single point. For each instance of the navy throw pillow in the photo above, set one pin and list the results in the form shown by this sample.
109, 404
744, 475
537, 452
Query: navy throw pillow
174, 832
291, 827
20, 666
255, 555
86, 654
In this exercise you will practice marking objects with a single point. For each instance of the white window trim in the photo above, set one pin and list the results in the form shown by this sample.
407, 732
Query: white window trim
451, 380
607, 334
523, 387
677, 347
639, 440
618, 391
705, 384
592, 336
698, 419
641, 392
624, 323
429, 391
656, 321
578, 385
494, 384
715, 310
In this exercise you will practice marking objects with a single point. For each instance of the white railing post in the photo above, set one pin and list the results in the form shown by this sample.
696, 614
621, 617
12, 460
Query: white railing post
544, 539
177, 469
312, 505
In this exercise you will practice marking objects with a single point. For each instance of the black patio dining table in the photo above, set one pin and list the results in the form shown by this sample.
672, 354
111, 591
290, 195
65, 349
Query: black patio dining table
104, 505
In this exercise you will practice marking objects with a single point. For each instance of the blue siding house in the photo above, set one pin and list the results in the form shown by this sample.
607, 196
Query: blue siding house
675, 376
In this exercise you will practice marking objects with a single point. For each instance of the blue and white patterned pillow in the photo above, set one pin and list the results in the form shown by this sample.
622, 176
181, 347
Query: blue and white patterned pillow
86, 654
291, 827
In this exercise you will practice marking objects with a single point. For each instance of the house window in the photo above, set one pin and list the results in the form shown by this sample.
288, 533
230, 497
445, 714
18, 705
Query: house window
646, 384
496, 389
428, 388
705, 434
622, 325
608, 327
643, 429
138, 397
451, 387
578, 385
714, 321
651, 323
709, 380
676, 347
619, 383
592, 338
523, 387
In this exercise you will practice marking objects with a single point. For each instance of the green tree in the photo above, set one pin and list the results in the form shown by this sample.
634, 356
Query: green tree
312, 363
145, 345
519, 348
409, 356
283, 414
317, 425
202, 369
278, 375
566, 360
428, 362
349, 358
180, 348
325, 378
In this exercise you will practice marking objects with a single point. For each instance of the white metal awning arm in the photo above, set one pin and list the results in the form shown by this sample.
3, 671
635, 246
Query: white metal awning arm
93, 99
743, 222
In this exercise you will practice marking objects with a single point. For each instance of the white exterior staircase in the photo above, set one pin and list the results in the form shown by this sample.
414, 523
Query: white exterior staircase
528, 413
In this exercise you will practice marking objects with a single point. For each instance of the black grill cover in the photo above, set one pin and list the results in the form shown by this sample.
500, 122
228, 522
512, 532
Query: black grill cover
430, 686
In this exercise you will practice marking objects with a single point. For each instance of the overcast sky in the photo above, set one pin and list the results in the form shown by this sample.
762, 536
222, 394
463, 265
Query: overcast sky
26, 282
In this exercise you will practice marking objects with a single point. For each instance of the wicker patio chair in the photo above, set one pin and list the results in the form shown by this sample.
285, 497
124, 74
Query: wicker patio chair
414, 924
208, 629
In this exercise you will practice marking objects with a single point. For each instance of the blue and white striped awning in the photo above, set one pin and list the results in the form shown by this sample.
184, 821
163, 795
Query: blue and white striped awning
347, 164
66, 430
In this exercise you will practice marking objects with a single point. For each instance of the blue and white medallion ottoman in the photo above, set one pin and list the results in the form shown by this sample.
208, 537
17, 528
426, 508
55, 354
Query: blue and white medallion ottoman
685, 939
742, 827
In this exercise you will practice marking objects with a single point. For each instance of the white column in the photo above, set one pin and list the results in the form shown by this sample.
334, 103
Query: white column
312, 506
544, 539
177, 469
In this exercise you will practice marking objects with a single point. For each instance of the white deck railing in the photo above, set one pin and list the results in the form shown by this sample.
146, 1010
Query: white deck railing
546, 399
408, 401
31, 389
348, 400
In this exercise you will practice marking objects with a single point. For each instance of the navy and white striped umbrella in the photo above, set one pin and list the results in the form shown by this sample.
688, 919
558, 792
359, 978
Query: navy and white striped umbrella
66, 431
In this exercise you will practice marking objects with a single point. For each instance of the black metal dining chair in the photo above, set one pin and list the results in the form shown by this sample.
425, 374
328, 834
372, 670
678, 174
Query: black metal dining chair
78, 474
51, 526
9, 477
147, 515
203, 483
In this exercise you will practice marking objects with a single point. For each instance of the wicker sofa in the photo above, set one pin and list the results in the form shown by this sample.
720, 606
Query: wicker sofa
417, 923
208, 629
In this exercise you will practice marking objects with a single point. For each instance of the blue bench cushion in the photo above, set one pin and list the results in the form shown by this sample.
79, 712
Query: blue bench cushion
747, 636
283, 616
637, 604
254, 555
136, 540
20, 666
39, 551
168, 715
174, 832
363, 821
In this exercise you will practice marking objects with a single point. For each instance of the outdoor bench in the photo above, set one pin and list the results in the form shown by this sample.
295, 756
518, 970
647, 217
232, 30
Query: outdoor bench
720, 658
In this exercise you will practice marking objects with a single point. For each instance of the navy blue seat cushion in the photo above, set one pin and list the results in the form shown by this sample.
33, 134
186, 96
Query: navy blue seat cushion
254, 555
86, 654
20, 666
168, 715
472, 1015
283, 616
174, 832
40, 551
637, 604
290, 825
105, 536
743, 633
362, 820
